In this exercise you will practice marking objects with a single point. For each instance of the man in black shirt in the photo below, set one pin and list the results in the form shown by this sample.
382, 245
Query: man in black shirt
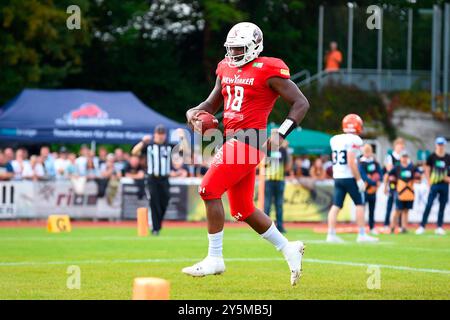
159, 158
133, 169
437, 171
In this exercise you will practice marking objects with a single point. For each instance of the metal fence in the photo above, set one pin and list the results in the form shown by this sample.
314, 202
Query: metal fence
386, 48
372, 79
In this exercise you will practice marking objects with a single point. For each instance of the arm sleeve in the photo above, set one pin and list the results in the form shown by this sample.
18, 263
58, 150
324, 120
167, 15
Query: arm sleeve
276, 68
388, 160
219, 68
364, 175
284, 155
363, 172
355, 145
379, 170
392, 173
448, 165
430, 160
126, 168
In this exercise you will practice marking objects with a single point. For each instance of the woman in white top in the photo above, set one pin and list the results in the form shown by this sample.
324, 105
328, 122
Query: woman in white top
20, 164
35, 171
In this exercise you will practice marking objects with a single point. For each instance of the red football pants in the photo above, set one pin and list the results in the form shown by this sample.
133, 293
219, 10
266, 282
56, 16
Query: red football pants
233, 170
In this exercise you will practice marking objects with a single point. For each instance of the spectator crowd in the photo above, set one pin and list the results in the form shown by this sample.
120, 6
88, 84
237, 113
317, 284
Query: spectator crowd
65, 165
106, 169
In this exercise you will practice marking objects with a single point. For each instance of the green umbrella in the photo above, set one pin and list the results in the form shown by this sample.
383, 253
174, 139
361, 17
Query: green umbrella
305, 141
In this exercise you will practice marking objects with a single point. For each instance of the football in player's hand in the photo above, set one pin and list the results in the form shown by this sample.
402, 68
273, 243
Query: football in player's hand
208, 121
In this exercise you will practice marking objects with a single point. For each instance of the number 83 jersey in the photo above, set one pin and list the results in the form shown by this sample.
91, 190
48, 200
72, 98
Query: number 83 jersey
248, 100
341, 144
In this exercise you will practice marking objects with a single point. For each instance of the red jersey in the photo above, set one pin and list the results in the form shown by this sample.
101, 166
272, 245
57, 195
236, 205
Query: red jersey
248, 100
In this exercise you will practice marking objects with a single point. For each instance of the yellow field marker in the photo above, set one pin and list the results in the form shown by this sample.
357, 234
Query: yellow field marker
58, 223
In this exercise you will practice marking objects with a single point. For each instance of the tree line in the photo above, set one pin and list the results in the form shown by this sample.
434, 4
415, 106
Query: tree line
166, 51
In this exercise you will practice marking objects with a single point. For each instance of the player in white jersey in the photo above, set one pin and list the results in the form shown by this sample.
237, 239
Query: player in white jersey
345, 150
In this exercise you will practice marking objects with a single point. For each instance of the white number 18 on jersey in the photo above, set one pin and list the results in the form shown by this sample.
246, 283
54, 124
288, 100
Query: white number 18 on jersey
237, 100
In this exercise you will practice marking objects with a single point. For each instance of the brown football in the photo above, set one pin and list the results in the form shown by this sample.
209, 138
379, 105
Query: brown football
208, 121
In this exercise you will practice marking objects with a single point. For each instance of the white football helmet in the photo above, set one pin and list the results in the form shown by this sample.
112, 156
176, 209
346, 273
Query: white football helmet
244, 35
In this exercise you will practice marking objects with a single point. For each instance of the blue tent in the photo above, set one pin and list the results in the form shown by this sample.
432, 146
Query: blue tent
74, 116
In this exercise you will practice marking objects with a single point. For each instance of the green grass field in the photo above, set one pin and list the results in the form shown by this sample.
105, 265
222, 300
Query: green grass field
33, 265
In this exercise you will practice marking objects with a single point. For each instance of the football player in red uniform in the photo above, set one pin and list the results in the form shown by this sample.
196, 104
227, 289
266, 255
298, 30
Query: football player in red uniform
248, 86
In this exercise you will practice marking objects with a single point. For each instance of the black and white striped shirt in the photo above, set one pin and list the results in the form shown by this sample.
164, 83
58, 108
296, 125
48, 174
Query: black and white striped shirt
159, 159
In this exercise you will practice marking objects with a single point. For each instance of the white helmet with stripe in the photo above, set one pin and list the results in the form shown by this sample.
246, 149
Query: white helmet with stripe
244, 43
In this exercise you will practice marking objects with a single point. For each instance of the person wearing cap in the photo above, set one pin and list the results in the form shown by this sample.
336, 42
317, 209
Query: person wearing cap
62, 164
437, 172
404, 174
159, 158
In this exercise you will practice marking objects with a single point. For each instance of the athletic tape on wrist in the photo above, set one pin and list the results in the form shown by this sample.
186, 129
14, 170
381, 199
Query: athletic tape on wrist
287, 127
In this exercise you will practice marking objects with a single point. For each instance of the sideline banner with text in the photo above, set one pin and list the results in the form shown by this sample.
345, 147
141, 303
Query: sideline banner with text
304, 200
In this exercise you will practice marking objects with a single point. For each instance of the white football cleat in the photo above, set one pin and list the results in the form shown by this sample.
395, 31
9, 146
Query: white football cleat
440, 231
293, 253
374, 232
366, 238
420, 230
332, 238
206, 267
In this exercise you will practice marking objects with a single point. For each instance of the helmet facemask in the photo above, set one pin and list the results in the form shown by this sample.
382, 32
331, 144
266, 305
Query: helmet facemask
246, 36
236, 60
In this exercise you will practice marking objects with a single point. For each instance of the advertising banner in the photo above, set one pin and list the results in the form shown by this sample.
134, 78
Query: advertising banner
27, 199
304, 200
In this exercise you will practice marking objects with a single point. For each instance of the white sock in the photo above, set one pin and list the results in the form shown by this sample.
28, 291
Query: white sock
274, 236
362, 231
331, 231
215, 244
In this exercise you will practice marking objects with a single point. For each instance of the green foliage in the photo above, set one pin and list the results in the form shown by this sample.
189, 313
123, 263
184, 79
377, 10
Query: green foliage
331, 103
218, 13
167, 52
36, 47
417, 100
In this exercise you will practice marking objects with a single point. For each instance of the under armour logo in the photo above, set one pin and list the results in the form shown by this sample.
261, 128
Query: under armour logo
238, 216
201, 190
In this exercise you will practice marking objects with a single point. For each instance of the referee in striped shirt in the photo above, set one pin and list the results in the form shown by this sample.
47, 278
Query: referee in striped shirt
158, 169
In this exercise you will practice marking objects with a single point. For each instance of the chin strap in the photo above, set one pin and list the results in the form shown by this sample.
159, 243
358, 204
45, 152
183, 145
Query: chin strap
287, 127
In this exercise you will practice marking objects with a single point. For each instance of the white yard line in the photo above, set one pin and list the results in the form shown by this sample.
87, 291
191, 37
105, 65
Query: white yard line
400, 246
168, 238
385, 266
142, 261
